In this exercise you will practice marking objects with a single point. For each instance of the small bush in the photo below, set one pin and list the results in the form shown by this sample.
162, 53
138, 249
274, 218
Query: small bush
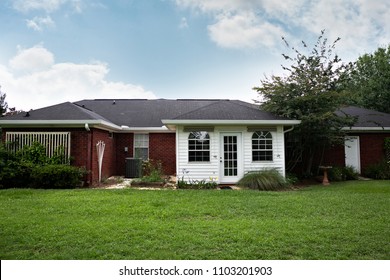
36, 154
31, 168
56, 176
338, 173
16, 174
152, 171
350, 173
335, 174
266, 180
292, 179
197, 184
380, 171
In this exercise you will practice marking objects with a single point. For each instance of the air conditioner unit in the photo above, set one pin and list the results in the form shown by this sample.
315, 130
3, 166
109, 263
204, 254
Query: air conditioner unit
133, 168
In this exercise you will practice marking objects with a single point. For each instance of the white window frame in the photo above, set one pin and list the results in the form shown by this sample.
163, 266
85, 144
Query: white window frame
141, 141
198, 141
263, 137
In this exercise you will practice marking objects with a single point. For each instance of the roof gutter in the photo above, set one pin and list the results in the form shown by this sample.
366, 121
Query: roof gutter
125, 128
230, 122
366, 129
60, 123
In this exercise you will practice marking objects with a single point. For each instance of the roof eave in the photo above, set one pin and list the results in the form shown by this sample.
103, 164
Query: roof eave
163, 128
59, 123
366, 129
231, 122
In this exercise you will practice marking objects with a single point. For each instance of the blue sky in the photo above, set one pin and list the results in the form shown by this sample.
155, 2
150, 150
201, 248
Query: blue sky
54, 51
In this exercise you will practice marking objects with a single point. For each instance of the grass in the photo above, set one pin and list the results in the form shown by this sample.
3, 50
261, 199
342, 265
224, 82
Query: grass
349, 220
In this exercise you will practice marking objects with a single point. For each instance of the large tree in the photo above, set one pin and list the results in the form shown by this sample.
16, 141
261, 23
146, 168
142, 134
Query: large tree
3, 104
311, 92
370, 80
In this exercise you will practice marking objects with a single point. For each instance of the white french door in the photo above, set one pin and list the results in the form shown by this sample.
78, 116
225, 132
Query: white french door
230, 157
352, 152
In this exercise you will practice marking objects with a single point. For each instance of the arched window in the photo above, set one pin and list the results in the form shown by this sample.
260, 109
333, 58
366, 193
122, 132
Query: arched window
199, 146
262, 146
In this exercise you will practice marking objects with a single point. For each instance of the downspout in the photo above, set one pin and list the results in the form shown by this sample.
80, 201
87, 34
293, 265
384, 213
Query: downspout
288, 130
89, 154
284, 161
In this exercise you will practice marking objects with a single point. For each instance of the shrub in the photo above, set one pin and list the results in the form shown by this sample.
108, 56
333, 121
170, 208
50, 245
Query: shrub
335, 174
16, 174
197, 184
350, 173
153, 171
265, 180
338, 173
380, 171
36, 154
31, 168
56, 176
292, 179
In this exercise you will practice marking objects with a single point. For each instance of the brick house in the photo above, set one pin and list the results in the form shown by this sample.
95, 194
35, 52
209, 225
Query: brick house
364, 143
197, 139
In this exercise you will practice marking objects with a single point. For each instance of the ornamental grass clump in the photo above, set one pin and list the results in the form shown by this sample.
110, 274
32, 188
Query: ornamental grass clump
264, 180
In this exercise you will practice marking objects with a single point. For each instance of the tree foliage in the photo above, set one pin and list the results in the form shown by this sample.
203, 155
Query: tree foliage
3, 104
311, 92
369, 81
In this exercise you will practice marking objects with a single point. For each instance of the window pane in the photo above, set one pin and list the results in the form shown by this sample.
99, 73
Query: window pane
262, 146
141, 153
141, 140
198, 146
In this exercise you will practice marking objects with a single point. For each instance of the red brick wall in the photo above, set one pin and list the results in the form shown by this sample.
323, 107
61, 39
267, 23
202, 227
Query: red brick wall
123, 140
80, 152
371, 150
162, 146
79, 142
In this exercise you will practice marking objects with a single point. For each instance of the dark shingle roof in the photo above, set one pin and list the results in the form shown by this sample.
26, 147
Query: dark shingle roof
148, 113
228, 110
62, 111
366, 118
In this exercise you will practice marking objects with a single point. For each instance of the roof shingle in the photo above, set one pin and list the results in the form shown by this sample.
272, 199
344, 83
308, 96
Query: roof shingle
366, 118
148, 113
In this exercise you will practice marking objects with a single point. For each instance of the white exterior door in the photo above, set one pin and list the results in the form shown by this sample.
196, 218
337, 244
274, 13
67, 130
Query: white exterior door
231, 165
352, 152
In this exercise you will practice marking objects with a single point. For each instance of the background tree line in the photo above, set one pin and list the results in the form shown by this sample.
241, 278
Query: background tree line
317, 83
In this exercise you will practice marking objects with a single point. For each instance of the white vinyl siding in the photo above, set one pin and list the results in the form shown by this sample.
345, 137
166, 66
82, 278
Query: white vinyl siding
277, 149
195, 170
212, 169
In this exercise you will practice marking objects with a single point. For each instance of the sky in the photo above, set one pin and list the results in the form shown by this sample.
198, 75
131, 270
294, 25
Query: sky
54, 51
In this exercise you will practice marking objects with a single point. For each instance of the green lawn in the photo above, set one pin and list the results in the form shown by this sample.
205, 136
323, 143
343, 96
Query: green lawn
342, 221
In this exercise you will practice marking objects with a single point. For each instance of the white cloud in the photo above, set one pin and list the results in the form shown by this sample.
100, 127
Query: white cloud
46, 82
33, 59
30, 5
243, 30
39, 23
218, 5
48, 6
361, 24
